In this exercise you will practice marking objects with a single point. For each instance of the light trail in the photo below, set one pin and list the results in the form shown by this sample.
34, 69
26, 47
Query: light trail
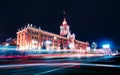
38, 64
58, 64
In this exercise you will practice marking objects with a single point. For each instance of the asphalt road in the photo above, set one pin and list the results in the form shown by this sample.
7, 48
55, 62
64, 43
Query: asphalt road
67, 66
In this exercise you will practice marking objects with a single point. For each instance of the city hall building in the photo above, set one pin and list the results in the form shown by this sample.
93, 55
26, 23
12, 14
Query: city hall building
31, 37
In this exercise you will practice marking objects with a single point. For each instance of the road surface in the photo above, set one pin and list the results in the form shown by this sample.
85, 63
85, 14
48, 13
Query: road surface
66, 66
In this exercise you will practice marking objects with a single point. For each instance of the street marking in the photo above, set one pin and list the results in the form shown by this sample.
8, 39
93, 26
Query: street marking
84, 64
22, 65
54, 70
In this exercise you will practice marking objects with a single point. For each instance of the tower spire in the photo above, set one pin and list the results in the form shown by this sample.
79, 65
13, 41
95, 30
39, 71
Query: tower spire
64, 28
64, 21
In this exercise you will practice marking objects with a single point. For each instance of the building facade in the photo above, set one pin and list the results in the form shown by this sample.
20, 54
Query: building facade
35, 38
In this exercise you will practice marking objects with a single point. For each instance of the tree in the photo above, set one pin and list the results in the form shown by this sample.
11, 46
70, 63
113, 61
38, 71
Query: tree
94, 45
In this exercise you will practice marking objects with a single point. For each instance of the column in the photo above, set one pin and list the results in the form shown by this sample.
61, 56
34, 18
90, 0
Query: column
18, 39
53, 43
58, 44
24, 40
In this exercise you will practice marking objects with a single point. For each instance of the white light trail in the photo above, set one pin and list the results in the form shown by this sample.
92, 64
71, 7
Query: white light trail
58, 64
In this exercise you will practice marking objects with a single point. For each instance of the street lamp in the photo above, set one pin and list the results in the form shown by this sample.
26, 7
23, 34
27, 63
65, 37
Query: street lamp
7, 44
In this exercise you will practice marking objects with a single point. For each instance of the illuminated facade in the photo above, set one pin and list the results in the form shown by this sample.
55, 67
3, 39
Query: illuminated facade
35, 38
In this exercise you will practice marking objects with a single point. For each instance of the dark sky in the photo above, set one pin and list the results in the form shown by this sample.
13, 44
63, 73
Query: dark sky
89, 19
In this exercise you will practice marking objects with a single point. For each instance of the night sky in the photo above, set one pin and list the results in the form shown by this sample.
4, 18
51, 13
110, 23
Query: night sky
90, 20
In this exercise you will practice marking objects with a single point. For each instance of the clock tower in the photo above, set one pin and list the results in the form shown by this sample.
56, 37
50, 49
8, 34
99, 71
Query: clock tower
64, 28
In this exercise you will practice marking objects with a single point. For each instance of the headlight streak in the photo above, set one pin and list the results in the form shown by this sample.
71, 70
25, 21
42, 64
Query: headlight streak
58, 64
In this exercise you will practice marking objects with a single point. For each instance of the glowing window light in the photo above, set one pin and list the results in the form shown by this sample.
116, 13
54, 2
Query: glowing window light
48, 42
34, 41
55, 38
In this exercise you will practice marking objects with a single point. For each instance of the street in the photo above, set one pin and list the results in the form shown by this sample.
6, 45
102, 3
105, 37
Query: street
60, 66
